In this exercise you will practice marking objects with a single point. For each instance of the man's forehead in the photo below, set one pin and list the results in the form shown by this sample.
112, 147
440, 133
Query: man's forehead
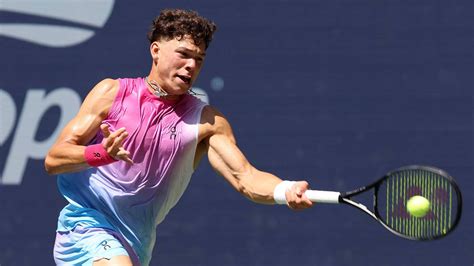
186, 44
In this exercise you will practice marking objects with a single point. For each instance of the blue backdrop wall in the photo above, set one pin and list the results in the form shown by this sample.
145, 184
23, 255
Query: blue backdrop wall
334, 92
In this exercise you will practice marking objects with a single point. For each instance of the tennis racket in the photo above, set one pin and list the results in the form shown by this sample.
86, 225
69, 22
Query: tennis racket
391, 194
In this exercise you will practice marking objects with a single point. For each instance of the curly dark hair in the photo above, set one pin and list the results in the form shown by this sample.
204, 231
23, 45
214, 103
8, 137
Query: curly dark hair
178, 23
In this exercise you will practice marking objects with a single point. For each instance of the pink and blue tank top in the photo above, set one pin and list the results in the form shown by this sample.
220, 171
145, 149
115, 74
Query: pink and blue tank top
132, 199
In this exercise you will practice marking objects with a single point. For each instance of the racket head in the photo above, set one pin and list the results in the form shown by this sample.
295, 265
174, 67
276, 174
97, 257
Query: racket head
393, 191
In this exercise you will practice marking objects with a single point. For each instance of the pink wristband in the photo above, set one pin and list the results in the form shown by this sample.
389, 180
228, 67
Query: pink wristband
96, 155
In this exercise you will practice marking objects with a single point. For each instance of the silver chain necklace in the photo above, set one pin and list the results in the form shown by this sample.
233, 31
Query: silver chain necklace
157, 91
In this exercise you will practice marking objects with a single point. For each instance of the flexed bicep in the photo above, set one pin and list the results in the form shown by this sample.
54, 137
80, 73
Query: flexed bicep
227, 159
223, 153
67, 153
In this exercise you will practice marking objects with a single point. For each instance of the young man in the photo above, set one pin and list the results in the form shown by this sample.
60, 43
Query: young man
126, 158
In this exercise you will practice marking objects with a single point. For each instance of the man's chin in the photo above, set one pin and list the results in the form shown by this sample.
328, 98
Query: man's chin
182, 89
178, 92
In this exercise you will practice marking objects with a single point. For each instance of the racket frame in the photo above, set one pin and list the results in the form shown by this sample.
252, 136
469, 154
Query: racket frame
345, 197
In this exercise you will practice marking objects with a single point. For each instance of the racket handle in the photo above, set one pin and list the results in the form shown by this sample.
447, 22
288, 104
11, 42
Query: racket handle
322, 196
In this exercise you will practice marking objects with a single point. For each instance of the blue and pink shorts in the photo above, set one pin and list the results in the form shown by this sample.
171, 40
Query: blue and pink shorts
83, 246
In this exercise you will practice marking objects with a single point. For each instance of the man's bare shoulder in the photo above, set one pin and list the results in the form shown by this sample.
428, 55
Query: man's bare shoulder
208, 112
213, 122
101, 97
211, 116
106, 87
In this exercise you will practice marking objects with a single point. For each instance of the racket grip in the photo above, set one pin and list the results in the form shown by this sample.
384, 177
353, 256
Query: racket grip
321, 196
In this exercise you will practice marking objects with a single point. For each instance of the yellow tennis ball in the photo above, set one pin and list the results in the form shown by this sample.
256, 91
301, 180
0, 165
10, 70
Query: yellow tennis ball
418, 206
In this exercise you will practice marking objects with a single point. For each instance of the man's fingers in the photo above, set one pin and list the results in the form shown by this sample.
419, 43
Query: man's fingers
118, 141
124, 155
300, 204
296, 197
115, 139
125, 158
306, 202
305, 199
298, 192
123, 152
113, 143
105, 130
128, 160
117, 132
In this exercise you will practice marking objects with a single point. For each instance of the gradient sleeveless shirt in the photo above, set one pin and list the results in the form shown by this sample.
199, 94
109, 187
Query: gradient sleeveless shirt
132, 199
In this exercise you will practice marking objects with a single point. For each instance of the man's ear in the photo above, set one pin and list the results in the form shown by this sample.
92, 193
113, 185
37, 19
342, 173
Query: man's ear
154, 49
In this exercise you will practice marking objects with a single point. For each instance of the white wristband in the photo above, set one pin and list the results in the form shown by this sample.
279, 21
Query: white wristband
279, 193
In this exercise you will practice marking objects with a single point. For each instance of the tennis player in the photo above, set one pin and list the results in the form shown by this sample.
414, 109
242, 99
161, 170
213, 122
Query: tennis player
128, 155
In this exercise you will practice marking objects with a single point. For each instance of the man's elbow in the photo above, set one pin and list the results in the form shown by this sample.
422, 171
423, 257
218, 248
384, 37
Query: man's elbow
49, 165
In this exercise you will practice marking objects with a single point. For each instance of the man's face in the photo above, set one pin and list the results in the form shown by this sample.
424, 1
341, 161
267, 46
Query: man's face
178, 64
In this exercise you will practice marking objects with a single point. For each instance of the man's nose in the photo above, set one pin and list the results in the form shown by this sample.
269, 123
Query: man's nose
191, 64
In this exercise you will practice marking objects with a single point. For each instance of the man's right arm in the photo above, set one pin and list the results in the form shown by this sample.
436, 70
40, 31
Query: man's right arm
67, 153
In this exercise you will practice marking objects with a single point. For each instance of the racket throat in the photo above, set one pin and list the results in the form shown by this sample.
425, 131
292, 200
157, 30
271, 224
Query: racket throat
360, 207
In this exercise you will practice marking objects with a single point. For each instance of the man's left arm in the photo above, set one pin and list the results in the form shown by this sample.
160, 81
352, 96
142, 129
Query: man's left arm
227, 160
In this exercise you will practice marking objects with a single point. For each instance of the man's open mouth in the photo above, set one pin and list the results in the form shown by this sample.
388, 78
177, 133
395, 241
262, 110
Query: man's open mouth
185, 79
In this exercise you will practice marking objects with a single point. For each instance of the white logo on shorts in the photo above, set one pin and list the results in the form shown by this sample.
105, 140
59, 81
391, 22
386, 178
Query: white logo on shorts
88, 15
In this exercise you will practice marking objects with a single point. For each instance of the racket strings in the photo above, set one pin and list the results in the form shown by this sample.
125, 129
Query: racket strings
400, 186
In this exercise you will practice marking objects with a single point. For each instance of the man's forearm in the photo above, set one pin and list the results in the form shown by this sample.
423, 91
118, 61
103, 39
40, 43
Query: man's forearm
65, 158
259, 186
